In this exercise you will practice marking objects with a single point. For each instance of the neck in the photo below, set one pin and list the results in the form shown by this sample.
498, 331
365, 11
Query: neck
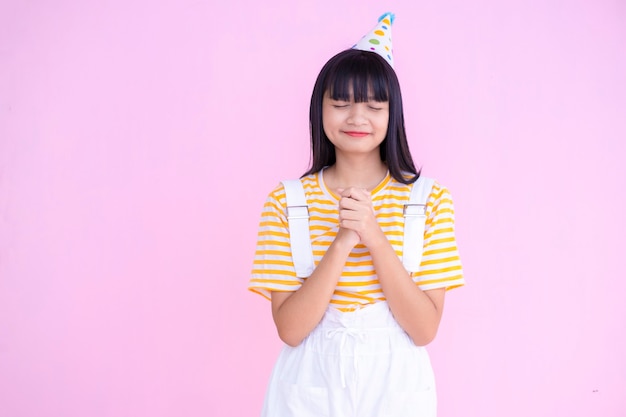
355, 173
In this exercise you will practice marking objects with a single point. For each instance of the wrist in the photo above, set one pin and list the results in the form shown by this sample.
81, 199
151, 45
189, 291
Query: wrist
379, 240
342, 246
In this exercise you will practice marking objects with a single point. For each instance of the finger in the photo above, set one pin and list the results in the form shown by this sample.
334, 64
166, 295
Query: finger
351, 203
348, 203
344, 192
359, 194
349, 224
349, 215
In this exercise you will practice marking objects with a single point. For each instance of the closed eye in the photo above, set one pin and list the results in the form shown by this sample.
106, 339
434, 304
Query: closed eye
375, 105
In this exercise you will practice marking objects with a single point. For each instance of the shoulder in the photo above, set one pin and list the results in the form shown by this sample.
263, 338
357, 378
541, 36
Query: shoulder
437, 189
434, 187
440, 192
278, 193
438, 195
440, 204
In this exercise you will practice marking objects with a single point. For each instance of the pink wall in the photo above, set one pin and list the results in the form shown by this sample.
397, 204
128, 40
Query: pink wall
138, 140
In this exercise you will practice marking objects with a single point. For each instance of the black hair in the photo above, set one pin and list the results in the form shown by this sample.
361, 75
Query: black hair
361, 73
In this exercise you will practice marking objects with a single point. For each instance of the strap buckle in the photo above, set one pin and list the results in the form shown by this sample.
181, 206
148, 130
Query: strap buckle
297, 212
414, 210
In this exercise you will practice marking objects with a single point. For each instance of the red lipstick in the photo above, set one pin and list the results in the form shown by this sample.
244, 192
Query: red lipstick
355, 134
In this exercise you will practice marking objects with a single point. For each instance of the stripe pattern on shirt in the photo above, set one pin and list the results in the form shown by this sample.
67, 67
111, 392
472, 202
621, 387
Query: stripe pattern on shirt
273, 268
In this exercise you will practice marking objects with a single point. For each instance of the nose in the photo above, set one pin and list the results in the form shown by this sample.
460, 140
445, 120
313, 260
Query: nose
357, 114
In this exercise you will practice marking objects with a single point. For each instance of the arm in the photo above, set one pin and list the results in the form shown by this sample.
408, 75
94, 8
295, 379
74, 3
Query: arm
297, 313
418, 312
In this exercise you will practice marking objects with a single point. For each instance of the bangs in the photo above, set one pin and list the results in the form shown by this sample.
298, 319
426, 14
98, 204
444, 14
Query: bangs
361, 76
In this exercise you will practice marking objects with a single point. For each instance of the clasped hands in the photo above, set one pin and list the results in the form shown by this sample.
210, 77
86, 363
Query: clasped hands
357, 218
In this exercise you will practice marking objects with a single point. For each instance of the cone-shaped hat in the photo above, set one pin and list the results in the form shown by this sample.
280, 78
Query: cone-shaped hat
379, 38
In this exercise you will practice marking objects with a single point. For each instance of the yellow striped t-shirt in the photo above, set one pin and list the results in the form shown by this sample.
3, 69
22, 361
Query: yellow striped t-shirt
273, 268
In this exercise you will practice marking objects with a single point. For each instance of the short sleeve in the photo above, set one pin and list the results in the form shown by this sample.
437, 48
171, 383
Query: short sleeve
441, 265
273, 268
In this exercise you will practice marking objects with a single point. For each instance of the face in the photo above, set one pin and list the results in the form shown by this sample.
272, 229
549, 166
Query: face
355, 128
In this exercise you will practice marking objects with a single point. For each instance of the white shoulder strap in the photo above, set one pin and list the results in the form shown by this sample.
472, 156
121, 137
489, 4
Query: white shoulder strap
298, 218
415, 222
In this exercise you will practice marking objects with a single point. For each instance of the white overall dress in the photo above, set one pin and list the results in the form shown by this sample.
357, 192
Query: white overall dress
359, 363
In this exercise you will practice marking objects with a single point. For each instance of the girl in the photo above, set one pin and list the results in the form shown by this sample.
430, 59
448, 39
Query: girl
355, 328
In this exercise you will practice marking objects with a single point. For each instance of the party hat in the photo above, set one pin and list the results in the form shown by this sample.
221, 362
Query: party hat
379, 38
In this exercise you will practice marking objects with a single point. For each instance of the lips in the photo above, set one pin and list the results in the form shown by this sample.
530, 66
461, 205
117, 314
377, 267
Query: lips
355, 134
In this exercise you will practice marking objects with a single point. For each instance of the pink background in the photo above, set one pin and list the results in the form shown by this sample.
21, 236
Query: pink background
138, 140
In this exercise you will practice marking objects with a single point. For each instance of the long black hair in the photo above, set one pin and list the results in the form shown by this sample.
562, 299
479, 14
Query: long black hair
361, 73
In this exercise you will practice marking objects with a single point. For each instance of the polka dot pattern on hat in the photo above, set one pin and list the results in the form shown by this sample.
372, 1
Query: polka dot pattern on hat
379, 39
